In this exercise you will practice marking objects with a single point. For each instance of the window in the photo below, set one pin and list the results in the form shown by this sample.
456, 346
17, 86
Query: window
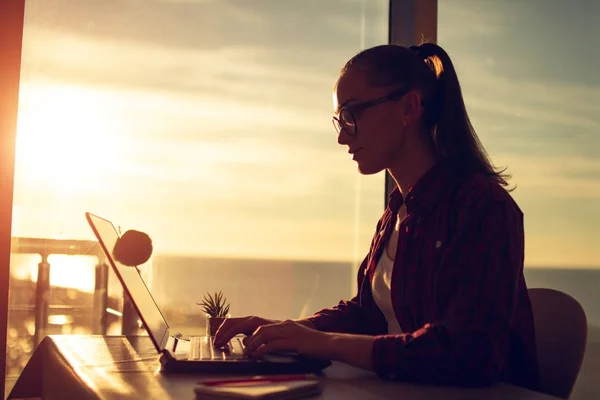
528, 72
203, 123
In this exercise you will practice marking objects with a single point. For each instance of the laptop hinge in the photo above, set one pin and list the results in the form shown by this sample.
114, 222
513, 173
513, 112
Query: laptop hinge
173, 341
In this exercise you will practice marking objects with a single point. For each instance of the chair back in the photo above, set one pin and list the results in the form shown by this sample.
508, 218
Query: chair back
561, 336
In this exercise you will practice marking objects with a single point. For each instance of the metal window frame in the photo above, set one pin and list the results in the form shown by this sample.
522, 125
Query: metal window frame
12, 13
411, 21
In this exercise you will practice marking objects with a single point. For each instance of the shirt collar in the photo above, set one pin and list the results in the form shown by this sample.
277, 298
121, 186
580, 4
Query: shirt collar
428, 189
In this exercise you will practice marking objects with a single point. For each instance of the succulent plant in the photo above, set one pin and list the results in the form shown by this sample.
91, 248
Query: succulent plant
215, 306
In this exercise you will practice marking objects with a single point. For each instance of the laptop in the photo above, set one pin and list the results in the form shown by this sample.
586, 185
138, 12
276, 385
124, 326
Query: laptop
196, 354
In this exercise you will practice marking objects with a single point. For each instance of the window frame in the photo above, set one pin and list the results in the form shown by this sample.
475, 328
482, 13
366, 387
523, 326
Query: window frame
410, 22
12, 14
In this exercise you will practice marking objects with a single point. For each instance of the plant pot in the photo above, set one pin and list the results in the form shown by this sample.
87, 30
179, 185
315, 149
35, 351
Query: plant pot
213, 324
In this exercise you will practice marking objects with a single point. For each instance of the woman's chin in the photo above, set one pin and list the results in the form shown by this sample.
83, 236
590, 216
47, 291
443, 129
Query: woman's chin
367, 169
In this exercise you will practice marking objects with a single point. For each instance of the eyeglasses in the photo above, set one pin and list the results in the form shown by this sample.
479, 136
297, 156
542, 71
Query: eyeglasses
346, 117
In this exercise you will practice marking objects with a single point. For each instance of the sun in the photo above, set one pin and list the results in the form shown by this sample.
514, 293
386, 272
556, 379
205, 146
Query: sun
67, 135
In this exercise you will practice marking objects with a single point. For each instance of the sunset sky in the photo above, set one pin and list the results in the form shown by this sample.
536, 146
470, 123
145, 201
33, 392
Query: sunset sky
207, 123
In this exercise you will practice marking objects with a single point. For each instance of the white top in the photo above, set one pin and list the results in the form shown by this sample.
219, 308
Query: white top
382, 282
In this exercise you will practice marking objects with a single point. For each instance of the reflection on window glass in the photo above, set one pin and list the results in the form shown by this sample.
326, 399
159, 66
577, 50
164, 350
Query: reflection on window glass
206, 124
529, 75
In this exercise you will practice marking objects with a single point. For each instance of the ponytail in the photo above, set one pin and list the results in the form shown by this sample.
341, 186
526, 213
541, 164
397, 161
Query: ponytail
428, 68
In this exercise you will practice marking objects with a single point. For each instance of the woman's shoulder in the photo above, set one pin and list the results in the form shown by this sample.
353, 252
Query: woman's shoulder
474, 188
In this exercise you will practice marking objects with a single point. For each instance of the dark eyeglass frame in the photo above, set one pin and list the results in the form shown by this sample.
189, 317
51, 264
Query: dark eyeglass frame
351, 110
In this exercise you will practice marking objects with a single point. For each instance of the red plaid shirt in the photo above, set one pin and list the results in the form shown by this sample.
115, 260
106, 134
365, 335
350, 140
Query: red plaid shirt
457, 288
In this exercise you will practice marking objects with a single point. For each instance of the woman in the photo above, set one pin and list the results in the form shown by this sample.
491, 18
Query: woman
442, 298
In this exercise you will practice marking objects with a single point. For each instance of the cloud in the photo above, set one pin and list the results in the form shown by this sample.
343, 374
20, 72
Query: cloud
555, 124
545, 102
213, 24
478, 20
151, 134
569, 177
547, 133
229, 71
536, 41
131, 166
197, 24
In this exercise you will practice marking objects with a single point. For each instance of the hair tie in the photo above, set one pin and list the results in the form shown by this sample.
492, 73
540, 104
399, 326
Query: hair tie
415, 49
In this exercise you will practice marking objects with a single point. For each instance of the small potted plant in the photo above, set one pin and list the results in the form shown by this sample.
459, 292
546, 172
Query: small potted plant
216, 309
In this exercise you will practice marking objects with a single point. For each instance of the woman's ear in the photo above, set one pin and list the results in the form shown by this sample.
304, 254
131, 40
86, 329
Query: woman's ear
412, 107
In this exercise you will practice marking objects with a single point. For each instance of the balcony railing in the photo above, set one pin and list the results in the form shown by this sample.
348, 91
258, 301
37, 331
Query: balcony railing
42, 307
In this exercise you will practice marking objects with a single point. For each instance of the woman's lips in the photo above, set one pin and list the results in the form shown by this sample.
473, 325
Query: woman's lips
354, 152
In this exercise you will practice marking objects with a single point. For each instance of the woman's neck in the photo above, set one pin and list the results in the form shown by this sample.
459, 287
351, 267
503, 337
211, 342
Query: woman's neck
411, 169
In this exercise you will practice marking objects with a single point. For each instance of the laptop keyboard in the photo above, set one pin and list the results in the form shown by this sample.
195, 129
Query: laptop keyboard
202, 348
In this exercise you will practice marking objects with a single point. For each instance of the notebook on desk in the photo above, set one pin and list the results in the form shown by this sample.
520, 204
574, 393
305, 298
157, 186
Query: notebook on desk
260, 388
198, 353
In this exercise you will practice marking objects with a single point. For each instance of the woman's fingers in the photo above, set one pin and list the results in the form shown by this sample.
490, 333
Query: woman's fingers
265, 334
235, 326
282, 344
230, 328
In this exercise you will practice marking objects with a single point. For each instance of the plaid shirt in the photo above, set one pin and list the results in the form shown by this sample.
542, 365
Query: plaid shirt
457, 288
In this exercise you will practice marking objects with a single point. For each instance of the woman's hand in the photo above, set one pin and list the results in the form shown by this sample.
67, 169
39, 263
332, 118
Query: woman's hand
235, 326
288, 336
267, 336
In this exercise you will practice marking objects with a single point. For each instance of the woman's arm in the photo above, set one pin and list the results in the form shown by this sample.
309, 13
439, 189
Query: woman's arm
467, 342
356, 350
349, 316
467, 339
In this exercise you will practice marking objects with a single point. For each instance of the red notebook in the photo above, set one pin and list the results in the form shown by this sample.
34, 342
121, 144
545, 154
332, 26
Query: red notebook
286, 387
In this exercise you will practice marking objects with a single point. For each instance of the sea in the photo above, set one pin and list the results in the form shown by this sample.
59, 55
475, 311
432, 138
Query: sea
283, 289
275, 288
272, 288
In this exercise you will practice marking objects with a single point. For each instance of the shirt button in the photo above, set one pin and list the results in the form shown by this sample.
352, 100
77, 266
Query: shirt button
438, 244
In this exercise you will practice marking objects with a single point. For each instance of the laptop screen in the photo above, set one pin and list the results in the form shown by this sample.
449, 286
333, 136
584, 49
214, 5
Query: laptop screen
132, 283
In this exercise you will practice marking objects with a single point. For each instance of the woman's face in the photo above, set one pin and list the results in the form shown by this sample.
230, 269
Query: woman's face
378, 139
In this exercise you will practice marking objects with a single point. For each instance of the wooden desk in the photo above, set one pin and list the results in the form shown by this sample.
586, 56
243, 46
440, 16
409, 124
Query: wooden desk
113, 367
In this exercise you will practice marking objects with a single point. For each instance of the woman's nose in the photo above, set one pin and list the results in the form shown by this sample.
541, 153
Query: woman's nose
343, 137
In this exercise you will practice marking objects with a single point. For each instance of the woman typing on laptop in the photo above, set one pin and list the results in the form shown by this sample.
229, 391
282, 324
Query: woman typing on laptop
441, 295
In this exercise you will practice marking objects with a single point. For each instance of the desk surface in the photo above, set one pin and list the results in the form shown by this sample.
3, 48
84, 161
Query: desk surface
113, 367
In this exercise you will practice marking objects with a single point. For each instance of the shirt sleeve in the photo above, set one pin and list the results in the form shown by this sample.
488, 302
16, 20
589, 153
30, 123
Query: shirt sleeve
354, 315
467, 341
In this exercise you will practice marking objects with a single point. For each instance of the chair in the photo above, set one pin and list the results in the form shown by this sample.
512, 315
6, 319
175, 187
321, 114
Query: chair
561, 336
